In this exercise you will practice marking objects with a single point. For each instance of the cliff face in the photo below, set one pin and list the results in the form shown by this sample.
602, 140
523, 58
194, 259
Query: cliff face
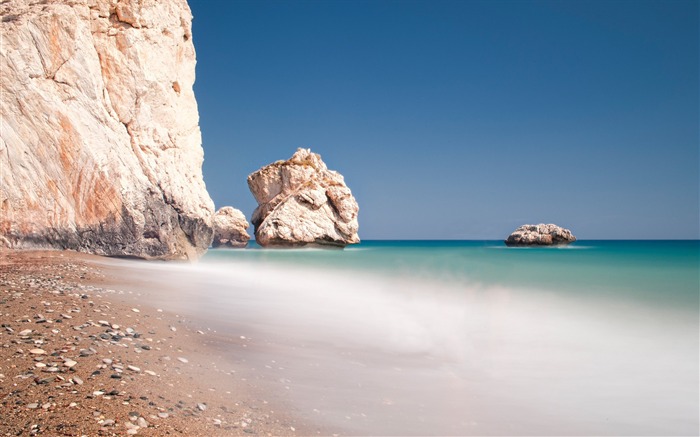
100, 148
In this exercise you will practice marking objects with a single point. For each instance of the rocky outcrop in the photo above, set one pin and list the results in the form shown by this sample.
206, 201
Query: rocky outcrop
301, 202
540, 235
100, 148
230, 228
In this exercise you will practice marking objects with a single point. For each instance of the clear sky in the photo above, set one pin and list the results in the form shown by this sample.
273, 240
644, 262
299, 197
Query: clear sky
462, 119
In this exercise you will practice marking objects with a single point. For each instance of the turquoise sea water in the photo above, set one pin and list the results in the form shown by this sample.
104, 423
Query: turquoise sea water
594, 338
460, 337
662, 272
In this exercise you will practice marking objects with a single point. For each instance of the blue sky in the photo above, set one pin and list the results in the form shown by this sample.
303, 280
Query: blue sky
462, 119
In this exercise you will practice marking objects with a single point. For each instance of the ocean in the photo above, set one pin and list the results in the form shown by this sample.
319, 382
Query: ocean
461, 337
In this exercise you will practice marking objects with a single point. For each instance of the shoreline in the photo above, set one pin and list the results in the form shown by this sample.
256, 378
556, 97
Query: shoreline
81, 354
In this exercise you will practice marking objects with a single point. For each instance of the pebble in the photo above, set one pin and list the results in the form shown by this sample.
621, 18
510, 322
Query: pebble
150, 372
135, 310
70, 363
163, 415
33, 406
25, 332
142, 422
201, 407
44, 380
37, 351
98, 393
133, 368
108, 422
107, 361
77, 380
183, 360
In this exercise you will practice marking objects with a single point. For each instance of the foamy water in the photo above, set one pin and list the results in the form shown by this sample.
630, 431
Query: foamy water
391, 350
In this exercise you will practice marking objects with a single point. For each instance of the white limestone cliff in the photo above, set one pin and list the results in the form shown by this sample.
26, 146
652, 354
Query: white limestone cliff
301, 202
100, 147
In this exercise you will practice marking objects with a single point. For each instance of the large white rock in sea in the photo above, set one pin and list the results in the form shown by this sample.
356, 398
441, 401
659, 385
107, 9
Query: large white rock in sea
100, 147
230, 228
301, 202
540, 235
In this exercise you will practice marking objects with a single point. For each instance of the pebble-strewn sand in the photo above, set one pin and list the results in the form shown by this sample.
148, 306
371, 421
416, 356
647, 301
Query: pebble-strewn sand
78, 358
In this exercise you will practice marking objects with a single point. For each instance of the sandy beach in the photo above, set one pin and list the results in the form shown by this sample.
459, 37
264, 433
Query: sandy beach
82, 354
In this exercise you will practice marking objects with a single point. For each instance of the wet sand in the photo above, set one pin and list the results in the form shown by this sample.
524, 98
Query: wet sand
82, 354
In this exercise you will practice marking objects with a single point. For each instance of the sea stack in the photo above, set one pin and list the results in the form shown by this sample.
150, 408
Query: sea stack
230, 228
301, 202
540, 235
100, 146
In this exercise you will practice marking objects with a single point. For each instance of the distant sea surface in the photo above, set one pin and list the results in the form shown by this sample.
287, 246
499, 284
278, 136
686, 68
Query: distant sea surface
465, 337
664, 272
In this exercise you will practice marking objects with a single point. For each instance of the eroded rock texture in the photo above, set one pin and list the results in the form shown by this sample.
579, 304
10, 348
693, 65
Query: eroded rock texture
540, 235
100, 148
301, 202
230, 228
